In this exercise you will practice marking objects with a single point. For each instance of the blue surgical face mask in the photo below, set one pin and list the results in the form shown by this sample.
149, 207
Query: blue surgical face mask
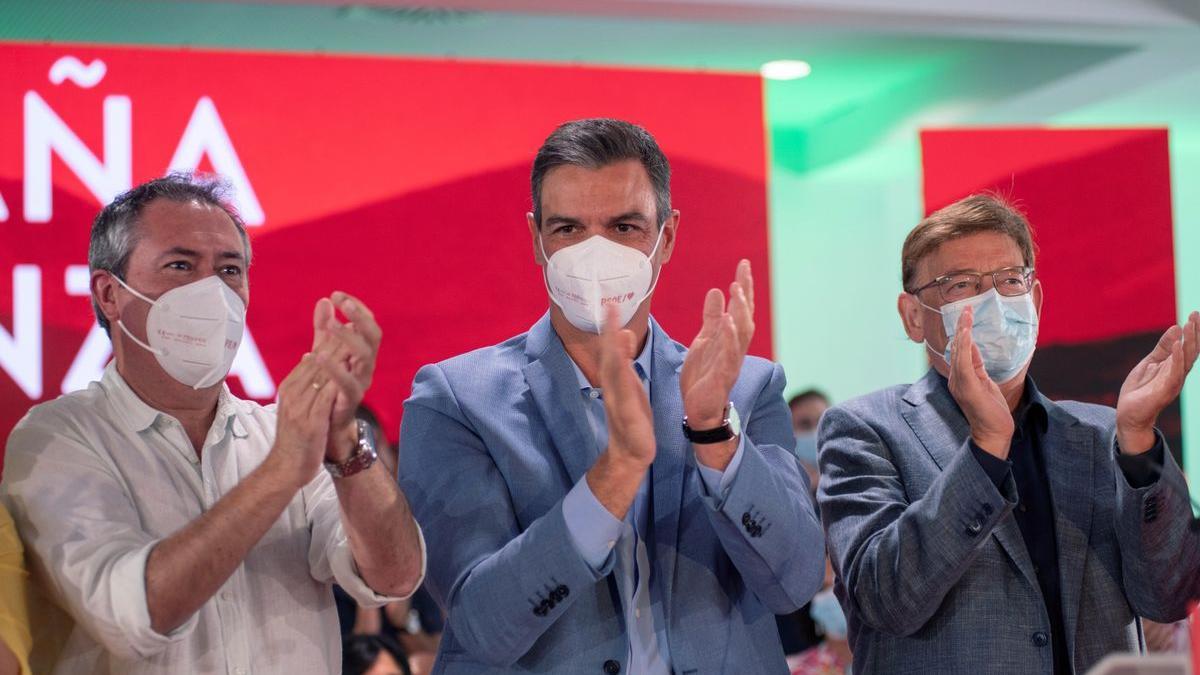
1004, 328
827, 613
806, 447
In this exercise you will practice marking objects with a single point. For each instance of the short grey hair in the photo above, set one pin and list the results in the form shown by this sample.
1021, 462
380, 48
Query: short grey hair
114, 234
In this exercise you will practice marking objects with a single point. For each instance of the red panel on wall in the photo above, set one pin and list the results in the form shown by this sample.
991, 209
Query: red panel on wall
402, 181
1099, 202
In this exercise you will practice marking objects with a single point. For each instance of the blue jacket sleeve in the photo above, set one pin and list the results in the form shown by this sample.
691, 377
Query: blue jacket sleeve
502, 587
765, 518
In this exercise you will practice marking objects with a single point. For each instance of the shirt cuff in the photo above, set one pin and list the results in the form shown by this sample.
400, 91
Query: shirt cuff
594, 530
996, 469
345, 572
1143, 470
716, 482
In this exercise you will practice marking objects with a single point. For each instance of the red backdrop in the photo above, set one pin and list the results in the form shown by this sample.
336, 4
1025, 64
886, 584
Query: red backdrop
402, 181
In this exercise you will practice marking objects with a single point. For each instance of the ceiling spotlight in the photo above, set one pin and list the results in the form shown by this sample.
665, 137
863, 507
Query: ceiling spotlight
785, 70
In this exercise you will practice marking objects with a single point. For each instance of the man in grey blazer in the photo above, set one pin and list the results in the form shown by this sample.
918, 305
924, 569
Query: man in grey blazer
598, 498
978, 527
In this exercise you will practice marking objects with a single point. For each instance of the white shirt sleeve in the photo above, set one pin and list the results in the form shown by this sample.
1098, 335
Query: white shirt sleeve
83, 533
330, 557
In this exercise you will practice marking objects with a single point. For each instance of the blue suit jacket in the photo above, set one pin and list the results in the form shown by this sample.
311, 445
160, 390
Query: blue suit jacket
932, 569
494, 439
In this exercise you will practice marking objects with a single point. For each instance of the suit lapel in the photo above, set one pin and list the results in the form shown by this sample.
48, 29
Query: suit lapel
670, 459
939, 424
1069, 454
555, 389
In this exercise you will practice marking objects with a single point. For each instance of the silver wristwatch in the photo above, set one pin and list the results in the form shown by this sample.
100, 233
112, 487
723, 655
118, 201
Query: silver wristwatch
364, 454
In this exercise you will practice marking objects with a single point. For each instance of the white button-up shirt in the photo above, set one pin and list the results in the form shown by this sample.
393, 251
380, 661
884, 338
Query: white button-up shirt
95, 479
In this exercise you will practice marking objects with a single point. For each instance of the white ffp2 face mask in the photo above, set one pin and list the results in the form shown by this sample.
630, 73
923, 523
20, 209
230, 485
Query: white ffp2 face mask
584, 279
194, 330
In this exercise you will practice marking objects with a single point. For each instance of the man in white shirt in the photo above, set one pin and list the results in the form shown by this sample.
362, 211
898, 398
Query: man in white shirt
186, 530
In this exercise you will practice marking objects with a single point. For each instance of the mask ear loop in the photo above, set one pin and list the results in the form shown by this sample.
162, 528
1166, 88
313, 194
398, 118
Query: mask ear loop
650, 259
545, 272
121, 324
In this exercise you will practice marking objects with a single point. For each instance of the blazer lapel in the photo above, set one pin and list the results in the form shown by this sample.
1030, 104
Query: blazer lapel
939, 424
1069, 454
670, 459
551, 379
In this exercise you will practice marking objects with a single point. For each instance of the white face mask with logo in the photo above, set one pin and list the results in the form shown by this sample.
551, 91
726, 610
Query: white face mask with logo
194, 330
584, 279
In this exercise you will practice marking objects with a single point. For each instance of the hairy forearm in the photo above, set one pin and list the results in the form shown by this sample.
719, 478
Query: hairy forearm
184, 570
615, 483
381, 529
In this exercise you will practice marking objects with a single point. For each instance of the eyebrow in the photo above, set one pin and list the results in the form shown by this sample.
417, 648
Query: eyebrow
624, 217
189, 253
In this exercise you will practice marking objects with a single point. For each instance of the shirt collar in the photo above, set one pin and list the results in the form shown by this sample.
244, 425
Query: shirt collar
1031, 413
641, 364
139, 415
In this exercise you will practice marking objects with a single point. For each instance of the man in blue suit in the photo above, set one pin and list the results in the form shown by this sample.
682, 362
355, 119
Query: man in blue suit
977, 526
597, 498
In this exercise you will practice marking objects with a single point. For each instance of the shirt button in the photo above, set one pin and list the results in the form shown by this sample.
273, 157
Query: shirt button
1022, 508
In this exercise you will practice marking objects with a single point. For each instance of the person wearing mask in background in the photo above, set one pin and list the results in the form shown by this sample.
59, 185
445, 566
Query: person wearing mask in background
977, 526
186, 530
807, 408
598, 505
797, 631
831, 656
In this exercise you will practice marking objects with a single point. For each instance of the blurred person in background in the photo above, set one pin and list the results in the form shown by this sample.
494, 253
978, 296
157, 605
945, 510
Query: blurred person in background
830, 656
374, 655
807, 408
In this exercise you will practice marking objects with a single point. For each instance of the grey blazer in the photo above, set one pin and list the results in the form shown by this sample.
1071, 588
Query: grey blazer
493, 440
931, 567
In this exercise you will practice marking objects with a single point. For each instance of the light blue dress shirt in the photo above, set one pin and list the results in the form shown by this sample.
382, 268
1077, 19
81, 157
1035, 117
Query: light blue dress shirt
597, 534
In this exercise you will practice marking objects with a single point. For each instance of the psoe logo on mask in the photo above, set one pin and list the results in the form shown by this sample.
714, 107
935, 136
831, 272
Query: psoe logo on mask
617, 299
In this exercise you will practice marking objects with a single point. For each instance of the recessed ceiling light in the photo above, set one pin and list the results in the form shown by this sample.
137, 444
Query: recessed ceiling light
785, 70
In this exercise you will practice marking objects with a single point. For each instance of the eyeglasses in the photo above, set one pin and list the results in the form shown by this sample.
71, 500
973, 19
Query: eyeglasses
1010, 281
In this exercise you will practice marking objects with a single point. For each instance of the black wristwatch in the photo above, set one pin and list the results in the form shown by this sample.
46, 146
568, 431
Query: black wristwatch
730, 428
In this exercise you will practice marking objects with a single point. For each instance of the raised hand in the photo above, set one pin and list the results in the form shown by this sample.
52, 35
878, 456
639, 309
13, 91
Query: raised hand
306, 398
626, 406
349, 351
980, 398
714, 359
1153, 383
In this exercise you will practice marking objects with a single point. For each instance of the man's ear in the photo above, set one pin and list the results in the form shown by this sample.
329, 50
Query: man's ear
670, 231
910, 316
534, 233
1037, 297
104, 293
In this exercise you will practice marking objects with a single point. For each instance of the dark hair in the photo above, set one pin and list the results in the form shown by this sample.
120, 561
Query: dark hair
114, 235
360, 651
970, 215
807, 394
595, 143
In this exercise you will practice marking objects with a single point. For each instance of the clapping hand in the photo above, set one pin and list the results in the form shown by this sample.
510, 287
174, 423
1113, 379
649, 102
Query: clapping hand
980, 398
1154, 383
